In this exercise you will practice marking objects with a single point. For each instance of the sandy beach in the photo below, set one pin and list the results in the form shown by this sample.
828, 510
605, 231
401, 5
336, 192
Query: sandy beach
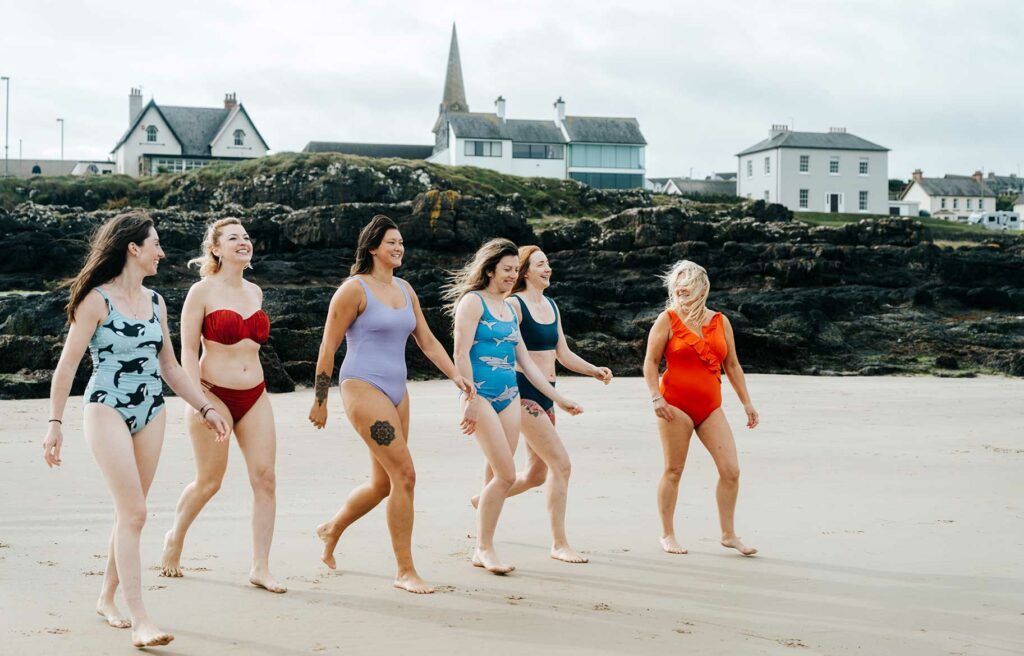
888, 512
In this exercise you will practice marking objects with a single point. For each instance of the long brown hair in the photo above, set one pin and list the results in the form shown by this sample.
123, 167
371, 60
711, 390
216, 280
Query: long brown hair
473, 276
209, 263
370, 237
525, 253
108, 252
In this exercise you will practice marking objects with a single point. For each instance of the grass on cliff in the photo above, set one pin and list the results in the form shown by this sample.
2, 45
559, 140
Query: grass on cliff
937, 228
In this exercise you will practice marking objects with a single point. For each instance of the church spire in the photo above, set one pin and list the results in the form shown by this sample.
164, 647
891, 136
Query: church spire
454, 99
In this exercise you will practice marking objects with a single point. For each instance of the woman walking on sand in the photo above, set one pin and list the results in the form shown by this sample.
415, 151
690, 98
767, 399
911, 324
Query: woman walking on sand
223, 313
124, 326
540, 326
375, 312
696, 344
488, 348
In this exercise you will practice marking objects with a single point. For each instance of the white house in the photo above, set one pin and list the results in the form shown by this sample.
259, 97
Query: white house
688, 187
953, 198
1018, 205
31, 168
602, 152
832, 171
170, 139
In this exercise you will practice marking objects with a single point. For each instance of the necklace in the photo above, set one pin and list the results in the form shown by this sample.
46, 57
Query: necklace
131, 303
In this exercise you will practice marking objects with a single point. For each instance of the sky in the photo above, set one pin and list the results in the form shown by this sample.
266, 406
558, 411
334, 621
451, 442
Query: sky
937, 82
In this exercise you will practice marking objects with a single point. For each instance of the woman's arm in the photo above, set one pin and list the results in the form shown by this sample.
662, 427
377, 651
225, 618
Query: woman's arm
346, 304
575, 363
90, 312
467, 315
433, 349
537, 378
192, 314
179, 381
656, 341
734, 372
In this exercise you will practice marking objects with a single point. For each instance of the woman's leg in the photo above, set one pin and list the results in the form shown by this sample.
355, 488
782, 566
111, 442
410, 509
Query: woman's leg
211, 459
128, 464
675, 442
717, 437
497, 435
257, 438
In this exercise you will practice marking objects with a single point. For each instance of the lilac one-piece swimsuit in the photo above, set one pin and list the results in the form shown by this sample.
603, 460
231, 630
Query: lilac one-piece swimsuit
375, 345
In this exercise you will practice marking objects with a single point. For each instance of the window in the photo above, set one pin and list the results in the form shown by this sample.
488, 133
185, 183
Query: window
862, 201
538, 151
609, 180
36, 170
863, 170
968, 203
750, 168
804, 195
151, 134
833, 166
767, 165
805, 163
92, 168
956, 203
943, 202
766, 199
483, 148
239, 137
606, 156
981, 204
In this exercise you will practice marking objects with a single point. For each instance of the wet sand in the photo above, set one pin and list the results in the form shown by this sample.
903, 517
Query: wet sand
888, 512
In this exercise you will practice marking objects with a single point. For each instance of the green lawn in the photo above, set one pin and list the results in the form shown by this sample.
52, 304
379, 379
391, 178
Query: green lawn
937, 228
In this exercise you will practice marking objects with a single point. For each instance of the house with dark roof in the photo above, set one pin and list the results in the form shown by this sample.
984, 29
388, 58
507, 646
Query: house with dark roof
383, 151
603, 152
690, 187
832, 171
172, 139
953, 198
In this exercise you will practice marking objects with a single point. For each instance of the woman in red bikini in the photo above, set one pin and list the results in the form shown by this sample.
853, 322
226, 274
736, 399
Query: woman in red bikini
223, 313
696, 344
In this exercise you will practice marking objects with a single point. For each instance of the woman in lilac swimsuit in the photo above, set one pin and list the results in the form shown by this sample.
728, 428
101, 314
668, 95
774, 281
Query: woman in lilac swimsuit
375, 312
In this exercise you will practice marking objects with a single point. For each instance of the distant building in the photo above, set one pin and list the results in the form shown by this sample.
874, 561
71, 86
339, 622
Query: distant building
953, 198
1005, 184
31, 168
396, 151
726, 176
602, 152
830, 171
688, 187
171, 139
1018, 205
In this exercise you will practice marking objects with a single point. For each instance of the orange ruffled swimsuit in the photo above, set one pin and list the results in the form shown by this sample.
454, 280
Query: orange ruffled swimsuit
693, 375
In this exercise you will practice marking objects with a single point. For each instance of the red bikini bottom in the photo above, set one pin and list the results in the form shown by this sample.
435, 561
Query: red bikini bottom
238, 401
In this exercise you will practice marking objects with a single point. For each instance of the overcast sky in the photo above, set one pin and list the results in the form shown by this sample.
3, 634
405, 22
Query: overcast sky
938, 82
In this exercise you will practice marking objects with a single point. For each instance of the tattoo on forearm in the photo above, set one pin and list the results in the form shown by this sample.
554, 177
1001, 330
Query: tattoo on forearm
323, 381
382, 432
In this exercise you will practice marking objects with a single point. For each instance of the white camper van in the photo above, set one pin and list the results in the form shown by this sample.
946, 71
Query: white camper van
996, 220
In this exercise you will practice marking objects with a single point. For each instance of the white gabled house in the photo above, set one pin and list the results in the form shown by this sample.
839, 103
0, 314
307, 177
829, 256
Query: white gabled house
832, 171
954, 197
171, 139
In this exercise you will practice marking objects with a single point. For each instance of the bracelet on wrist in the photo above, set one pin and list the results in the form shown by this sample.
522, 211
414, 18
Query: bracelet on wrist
655, 399
56, 420
206, 408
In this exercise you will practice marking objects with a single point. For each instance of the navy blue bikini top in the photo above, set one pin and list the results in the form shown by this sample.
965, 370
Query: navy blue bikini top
538, 336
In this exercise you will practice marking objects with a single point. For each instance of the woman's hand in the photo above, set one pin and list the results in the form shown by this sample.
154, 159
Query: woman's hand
468, 422
752, 417
465, 386
603, 374
571, 407
217, 424
318, 414
662, 409
51, 445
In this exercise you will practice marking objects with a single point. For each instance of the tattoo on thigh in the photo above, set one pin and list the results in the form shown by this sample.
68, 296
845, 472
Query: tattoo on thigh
531, 407
382, 432
323, 381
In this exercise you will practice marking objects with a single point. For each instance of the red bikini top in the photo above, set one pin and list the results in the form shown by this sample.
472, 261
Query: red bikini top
228, 327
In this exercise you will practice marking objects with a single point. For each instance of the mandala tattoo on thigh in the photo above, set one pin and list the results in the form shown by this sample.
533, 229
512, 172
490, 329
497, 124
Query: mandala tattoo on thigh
382, 432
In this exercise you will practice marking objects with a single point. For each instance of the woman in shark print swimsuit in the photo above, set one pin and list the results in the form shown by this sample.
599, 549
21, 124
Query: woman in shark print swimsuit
124, 326
487, 347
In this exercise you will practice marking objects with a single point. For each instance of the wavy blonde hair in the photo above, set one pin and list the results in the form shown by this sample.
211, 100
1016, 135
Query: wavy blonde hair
694, 278
473, 276
208, 263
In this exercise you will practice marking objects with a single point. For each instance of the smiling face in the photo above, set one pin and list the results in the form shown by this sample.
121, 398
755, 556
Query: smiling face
390, 252
539, 273
505, 274
234, 247
148, 253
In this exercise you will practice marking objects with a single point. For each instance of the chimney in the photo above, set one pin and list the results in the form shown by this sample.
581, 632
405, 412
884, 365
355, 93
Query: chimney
917, 175
230, 100
837, 130
560, 110
134, 105
499, 106
777, 129
977, 176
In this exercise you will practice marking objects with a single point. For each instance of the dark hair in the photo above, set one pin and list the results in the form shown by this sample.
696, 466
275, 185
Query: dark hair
525, 253
473, 276
370, 237
108, 251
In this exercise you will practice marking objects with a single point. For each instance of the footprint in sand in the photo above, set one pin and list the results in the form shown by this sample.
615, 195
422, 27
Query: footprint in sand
4, 545
602, 606
444, 588
58, 631
46, 563
155, 587
93, 572
791, 642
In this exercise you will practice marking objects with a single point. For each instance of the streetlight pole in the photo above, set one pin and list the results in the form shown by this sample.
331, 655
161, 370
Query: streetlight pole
61, 121
7, 122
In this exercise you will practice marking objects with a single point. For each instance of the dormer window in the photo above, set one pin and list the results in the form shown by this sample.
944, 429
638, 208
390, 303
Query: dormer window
239, 137
151, 134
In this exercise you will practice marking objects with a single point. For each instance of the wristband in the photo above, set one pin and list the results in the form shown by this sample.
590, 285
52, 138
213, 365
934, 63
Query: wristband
657, 398
206, 408
56, 420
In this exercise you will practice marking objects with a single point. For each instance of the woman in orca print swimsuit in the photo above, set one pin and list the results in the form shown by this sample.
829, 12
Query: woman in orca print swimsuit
124, 326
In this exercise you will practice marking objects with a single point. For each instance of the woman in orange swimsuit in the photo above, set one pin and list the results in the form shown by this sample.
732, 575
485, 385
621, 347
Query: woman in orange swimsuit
223, 313
696, 344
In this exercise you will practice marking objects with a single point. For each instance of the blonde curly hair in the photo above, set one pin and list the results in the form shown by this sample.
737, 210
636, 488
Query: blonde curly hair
209, 263
694, 278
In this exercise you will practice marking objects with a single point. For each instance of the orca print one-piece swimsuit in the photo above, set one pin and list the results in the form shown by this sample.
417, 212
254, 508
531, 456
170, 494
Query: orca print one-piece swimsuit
126, 365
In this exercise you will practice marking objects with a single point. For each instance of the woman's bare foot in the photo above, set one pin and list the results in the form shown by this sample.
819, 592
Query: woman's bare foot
147, 635
170, 563
266, 581
567, 554
108, 610
330, 542
734, 543
669, 544
411, 582
487, 559
475, 501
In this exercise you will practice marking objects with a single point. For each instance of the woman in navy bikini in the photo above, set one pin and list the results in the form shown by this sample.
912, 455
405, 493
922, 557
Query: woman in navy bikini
222, 312
488, 348
375, 312
124, 326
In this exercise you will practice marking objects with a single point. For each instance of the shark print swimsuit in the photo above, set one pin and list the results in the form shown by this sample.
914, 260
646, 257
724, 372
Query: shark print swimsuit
493, 356
126, 365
